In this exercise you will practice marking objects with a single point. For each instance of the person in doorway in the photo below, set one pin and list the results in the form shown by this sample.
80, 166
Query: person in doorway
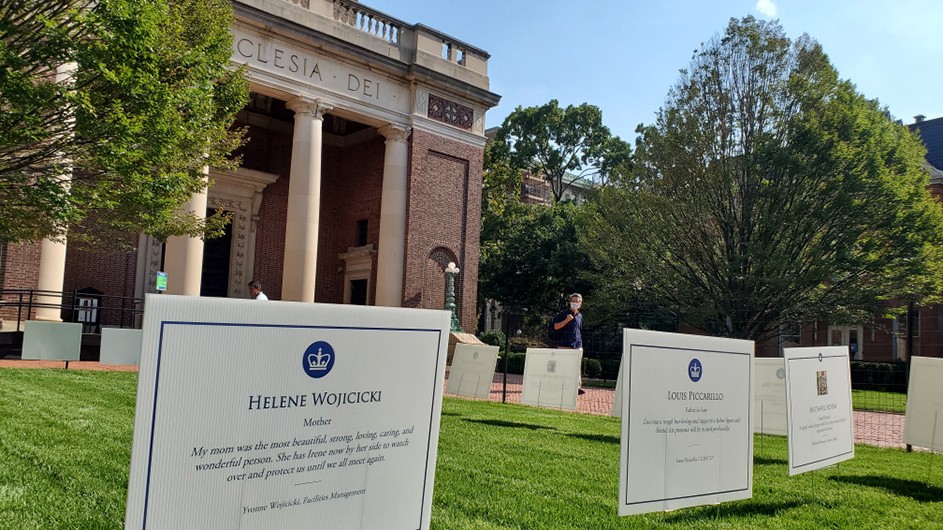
255, 290
567, 328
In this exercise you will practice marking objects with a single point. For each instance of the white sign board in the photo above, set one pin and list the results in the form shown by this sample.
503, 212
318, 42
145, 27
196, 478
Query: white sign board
818, 407
285, 415
52, 341
551, 377
769, 396
687, 437
120, 346
923, 425
472, 370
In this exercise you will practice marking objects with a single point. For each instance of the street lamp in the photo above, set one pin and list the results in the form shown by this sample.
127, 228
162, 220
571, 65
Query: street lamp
451, 271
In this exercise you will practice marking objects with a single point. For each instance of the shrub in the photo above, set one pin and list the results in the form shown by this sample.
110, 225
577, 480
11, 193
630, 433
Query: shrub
610, 368
493, 337
885, 377
515, 363
592, 368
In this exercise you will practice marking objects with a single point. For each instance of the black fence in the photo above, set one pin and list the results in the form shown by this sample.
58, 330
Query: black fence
91, 309
879, 389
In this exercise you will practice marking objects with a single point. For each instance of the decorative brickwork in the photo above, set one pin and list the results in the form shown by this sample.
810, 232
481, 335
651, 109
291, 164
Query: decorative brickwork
441, 109
444, 214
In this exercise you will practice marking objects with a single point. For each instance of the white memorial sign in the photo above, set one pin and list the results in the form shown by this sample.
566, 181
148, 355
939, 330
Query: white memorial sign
818, 407
551, 377
923, 425
687, 437
769, 396
285, 415
472, 370
52, 341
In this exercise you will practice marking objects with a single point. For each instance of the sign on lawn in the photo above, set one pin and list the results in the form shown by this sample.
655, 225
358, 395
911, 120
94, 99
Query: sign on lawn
769, 396
818, 407
687, 437
472, 370
923, 425
285, 415
551, 377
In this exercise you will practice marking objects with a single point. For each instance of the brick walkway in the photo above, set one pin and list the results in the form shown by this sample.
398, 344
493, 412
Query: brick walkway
872, 428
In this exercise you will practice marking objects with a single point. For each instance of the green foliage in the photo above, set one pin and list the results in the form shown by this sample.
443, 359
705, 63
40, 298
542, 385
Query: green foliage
592, 368
493, 337
109, 113
536, 258
883, 377
769, 190
562, 145
515, 362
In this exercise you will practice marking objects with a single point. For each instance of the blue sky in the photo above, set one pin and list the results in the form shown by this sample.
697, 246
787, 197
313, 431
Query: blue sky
624, 55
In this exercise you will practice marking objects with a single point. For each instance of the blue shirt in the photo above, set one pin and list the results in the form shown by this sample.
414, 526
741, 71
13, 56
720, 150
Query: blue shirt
568, 336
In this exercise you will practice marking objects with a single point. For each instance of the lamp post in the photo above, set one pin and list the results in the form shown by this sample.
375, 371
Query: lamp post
450, 273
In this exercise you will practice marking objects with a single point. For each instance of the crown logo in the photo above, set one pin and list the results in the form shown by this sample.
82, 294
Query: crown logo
694, 370
318, 361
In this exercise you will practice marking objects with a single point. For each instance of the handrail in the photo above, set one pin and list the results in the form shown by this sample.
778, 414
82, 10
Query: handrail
29, 299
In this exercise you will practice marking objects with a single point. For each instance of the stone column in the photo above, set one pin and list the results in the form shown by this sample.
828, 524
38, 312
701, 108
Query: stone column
51, 276
183, 256
304, 200
52, 257
392, 248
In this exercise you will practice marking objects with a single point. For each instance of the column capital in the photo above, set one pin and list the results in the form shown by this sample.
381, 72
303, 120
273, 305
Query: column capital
395, 133
306, 105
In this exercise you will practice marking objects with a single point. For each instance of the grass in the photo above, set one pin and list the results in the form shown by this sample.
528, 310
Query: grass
65, 439
879, 401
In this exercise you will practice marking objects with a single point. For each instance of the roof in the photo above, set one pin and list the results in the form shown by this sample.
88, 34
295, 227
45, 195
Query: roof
931, 132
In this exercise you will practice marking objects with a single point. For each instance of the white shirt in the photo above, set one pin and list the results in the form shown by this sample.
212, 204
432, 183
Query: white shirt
261, 296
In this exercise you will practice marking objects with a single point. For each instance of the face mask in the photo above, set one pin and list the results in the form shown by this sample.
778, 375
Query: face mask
574, 305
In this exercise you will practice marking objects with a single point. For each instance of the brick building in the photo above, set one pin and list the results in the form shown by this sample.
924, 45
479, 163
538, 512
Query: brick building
360, 178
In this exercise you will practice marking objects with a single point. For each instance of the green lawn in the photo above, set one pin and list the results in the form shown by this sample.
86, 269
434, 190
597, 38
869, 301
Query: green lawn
879, 401
65, 440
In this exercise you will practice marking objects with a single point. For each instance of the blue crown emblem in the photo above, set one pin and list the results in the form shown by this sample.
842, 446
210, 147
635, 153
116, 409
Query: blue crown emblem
318, 359
694, 370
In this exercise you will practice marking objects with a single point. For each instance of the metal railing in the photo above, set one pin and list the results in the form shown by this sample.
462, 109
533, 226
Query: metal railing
109, 310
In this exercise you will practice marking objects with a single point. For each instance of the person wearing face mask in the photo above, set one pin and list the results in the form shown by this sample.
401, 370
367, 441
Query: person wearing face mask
568, 324
567, 327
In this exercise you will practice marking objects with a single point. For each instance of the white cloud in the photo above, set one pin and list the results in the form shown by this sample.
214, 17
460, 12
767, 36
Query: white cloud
767, 8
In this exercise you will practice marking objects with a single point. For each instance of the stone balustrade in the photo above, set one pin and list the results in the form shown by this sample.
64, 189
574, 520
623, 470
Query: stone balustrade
409, 42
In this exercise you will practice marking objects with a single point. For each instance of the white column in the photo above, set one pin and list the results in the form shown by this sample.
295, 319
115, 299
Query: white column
183, 256
304, 200
52, 257
392, 248
51, 275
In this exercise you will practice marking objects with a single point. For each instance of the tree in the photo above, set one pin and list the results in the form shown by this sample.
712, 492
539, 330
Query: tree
109, 111
535, 259
770, 191
562, 145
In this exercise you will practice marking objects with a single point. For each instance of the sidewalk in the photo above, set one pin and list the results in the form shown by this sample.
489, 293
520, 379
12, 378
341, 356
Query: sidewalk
872, 428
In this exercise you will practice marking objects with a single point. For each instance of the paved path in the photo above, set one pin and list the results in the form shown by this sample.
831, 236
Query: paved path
872, 428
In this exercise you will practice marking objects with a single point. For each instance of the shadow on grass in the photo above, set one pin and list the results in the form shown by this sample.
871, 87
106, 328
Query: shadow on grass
502, 423
764, 461
604, 438
740, 509
451, 414
916, 490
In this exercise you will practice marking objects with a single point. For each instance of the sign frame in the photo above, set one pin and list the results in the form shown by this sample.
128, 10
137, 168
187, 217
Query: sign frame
802, 409
652, 351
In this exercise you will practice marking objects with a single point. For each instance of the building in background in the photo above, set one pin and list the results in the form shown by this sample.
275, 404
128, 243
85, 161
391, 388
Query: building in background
360, 178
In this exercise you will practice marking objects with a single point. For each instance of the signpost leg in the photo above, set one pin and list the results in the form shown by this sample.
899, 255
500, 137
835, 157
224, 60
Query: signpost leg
932, 446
